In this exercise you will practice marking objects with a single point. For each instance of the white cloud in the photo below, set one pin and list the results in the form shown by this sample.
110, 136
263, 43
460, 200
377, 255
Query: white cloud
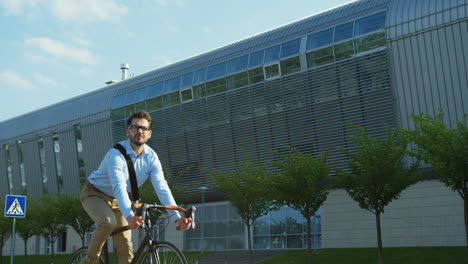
163, 60
205, 29
43, 80
14, 80
80, 12
16, 7
177, 3
61, 50
88, 11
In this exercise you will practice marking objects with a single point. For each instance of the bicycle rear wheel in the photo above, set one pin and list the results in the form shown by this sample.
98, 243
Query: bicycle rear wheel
79, 255
164, 253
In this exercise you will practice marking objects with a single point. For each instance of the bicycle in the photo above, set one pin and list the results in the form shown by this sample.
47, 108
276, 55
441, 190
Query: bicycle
151, 250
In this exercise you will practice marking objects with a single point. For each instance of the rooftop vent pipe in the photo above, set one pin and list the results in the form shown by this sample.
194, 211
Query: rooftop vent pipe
124, 68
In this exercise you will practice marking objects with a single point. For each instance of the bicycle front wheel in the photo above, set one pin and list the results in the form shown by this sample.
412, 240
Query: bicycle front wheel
164, 253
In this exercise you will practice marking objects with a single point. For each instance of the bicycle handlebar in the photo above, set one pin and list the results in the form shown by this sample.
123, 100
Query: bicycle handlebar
140, 210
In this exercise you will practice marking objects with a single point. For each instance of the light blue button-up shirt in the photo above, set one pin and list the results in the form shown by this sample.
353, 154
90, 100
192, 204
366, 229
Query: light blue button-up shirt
112, 177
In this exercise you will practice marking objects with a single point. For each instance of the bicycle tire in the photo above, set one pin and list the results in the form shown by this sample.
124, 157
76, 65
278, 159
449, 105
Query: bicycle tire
79, 255
164, 253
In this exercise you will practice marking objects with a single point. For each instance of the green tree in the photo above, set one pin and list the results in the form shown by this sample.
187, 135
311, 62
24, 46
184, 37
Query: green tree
28, 227
74, 215
245, 188
301, 183
377, 173
445, 150
50, 218
5, 232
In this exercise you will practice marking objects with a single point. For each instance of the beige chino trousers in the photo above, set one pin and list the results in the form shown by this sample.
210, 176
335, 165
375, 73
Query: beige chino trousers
106, 214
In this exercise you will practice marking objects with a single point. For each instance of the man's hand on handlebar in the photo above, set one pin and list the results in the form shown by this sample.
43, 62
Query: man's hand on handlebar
184, 223
134, 221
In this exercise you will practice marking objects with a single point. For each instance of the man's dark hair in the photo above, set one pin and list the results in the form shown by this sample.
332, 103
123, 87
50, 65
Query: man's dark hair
142, 114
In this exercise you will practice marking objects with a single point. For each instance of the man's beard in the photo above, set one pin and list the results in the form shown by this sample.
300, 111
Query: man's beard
136, 142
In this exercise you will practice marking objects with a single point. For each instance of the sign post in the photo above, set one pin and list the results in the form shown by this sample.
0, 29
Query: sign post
15, 206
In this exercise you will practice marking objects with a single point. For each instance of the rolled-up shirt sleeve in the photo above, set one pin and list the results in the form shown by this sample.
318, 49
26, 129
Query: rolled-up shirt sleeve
162, 188
117, 168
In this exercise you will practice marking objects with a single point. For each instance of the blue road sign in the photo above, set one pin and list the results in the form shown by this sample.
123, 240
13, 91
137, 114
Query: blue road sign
15, 206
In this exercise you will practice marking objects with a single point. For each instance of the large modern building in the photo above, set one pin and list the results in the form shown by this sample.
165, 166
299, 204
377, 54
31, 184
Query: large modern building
370, 62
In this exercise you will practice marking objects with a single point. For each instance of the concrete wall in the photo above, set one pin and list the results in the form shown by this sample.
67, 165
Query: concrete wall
426, 214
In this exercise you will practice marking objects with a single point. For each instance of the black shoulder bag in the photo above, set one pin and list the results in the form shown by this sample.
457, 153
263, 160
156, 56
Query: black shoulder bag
134, 196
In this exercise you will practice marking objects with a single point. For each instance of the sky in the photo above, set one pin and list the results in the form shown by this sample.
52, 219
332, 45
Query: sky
53, 50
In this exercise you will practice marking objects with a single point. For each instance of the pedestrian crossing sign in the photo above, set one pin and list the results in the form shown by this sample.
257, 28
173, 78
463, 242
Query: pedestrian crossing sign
15, 206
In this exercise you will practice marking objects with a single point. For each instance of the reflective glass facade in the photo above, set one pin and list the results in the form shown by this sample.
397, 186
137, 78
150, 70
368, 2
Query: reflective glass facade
219, 227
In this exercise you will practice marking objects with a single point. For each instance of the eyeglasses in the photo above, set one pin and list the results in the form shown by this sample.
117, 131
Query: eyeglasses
135, 128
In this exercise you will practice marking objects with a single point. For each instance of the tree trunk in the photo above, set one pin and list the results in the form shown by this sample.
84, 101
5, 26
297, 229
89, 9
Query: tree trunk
379, 237
309, 241
249, 241
25, 250
52, 250
465, 202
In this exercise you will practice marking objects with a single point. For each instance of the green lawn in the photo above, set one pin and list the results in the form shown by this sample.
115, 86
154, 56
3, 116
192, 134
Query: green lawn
417, 255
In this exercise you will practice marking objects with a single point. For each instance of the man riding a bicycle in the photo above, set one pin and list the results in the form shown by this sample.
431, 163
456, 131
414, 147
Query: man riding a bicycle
105, 195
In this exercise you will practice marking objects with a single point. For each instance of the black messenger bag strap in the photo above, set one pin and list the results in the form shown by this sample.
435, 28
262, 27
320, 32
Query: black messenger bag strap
131, 171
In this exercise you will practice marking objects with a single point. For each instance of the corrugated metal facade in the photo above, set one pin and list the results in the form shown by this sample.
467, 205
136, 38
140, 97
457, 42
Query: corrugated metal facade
428, 51
308, 111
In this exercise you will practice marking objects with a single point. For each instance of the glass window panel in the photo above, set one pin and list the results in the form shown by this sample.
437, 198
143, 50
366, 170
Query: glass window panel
256, 58
172, 85
238, 64
294, 225
277, 226
290, 65
216, 86
344, 31
140, 106
320, 39
236, 242
221, 212
272, 54
236, 228
220, 229
186, 95
171, 99
296, 241
118, 101
344, 50
237, 80
199, 91
221, 243
118, 113
278, 242
262, 242
216, 71
199, 76
370, 42
262, 227
186, 80
154, 90
208, 229
370, 23
154, 104
130, 97
129, 110
272, 71
290, 48
256, 75
232, 214
320, 57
